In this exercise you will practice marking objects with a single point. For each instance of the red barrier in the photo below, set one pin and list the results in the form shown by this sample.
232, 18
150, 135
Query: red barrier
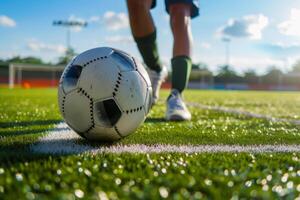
39, 83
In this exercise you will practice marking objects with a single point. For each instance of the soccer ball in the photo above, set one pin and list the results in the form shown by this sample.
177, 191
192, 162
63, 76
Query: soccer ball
104, 94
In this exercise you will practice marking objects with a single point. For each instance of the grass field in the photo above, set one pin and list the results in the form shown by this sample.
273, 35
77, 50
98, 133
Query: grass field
28, 115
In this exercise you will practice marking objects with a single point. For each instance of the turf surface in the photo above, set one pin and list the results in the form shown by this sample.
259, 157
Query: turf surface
25, 115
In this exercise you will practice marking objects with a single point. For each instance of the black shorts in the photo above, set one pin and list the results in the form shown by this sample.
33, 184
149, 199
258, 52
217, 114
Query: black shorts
194, 3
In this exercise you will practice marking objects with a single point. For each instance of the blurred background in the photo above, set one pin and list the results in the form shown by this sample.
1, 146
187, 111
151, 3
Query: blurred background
238, 45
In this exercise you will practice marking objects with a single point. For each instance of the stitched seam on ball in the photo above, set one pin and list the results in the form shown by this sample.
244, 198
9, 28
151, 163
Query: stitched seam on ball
117, 84
133, 110
117, 131
94, 60
135, 65
82, 91
63, 105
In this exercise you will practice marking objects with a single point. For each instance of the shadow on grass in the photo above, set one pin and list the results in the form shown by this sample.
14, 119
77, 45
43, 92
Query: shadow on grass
12, 133
155, 120
29, 123
13, 153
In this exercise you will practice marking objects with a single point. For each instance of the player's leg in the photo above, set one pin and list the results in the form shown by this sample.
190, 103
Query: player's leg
144, 33
180, 20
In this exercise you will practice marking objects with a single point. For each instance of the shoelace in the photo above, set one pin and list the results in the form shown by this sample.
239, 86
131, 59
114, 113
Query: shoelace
175, 103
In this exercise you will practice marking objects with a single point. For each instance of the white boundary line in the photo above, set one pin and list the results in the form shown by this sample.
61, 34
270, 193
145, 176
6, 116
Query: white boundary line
62, 140
242, 112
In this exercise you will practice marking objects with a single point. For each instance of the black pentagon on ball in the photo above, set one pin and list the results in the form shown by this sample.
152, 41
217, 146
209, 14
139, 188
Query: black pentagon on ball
108, 112
71, 78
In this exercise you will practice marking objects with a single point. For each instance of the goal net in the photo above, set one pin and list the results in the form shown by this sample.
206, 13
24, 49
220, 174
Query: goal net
32, 75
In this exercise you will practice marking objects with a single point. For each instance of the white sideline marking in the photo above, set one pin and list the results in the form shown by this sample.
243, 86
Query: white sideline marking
242, 112
62, 140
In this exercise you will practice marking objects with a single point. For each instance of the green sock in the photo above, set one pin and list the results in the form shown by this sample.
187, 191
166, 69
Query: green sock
148, 48
181, 69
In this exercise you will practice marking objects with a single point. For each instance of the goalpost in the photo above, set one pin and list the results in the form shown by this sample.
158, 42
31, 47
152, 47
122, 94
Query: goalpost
18, 72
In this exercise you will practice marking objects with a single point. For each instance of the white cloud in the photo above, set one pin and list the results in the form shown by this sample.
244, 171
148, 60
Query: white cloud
6, 21
292, 25
250, 26
115, 21
39, 47
119, 39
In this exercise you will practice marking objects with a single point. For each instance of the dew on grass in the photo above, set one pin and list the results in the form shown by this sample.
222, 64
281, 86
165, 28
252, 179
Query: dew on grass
290, 185
263, 181
226, 172
208, 182
131, 183
163, 192
104, 165
269, 177
150, 161
265, 187
233, 173
102, 195
285, 177
295, 158
248, 183
87, 172
118, 181
58, 172
79, 193
120, 166
230, 184
19, 177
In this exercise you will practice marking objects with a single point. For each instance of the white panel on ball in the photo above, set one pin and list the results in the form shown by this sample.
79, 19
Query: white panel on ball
129, 122
92, 55
99, 78
142, 70
132, 91
77, 111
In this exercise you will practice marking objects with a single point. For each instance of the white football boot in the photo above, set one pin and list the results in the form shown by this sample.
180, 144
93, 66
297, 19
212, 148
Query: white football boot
156, 80
176, 108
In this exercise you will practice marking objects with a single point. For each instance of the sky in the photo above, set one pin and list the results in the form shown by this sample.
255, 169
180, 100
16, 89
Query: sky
262, 33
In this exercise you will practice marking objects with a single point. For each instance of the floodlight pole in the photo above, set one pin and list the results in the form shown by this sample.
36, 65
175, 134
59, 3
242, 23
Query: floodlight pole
227, 50
68, 37
69, 24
